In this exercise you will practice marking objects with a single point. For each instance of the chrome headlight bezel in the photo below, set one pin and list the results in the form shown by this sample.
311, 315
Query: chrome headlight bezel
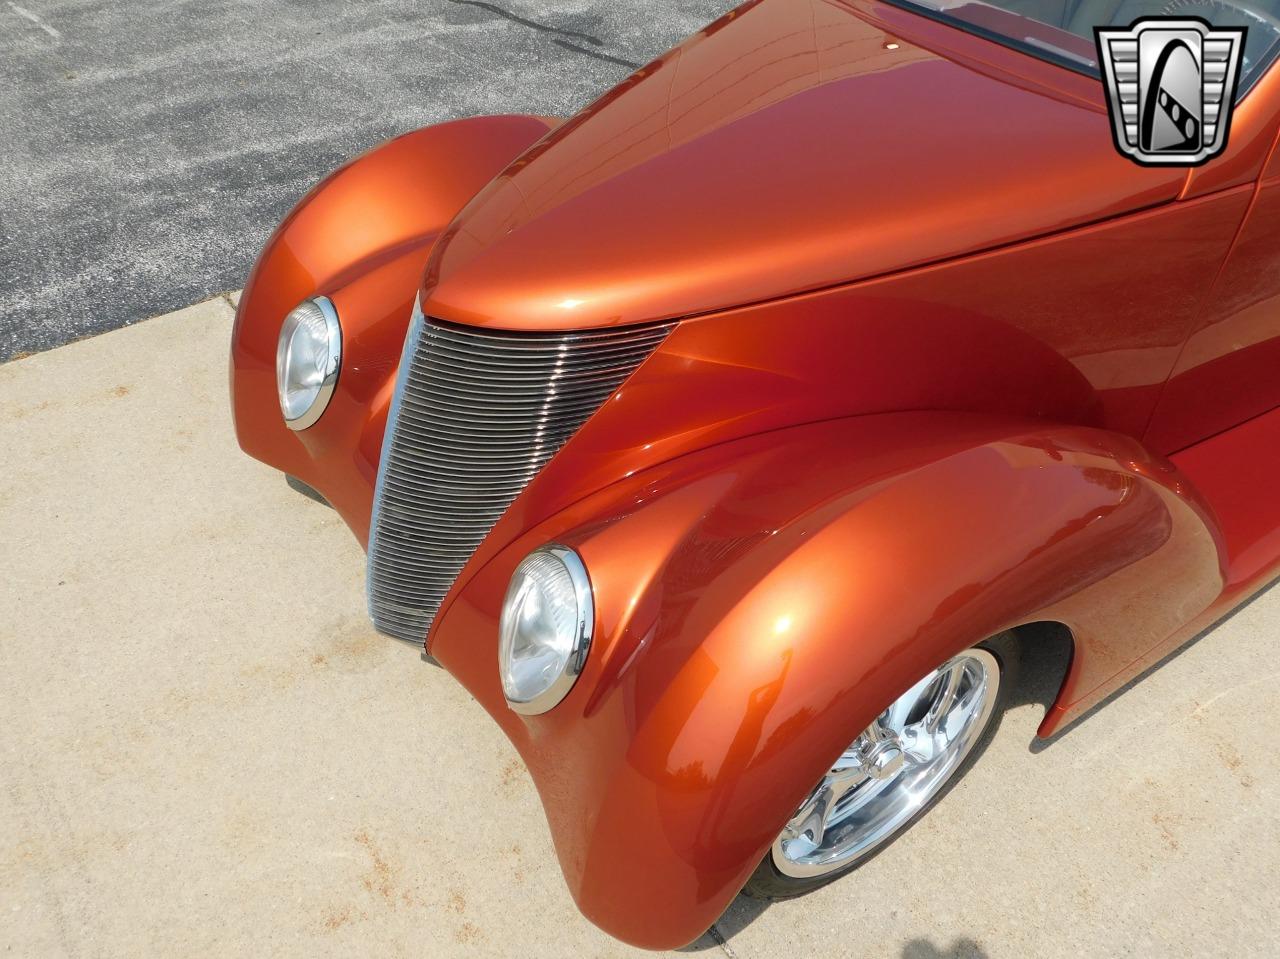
329, 373
572, 661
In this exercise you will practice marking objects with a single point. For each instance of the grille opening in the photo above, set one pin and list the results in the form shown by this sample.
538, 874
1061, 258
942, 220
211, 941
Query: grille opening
477, 414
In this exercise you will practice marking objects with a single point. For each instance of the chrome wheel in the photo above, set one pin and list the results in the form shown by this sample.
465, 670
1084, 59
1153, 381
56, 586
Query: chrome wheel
892, 771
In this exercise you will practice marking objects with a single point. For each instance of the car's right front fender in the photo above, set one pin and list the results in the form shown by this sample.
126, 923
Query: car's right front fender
360, 237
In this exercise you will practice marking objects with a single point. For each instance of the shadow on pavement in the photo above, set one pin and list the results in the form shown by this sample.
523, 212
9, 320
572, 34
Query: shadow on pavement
960, 949
742, 912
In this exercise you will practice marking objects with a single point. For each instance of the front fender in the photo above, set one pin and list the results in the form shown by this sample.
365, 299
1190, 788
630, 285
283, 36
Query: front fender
361, 237
759, 603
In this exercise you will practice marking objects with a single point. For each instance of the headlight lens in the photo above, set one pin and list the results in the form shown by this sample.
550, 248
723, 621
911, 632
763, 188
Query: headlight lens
545, 632
308, 358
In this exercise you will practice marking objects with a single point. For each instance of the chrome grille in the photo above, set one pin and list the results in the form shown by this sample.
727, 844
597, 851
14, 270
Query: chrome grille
476, 414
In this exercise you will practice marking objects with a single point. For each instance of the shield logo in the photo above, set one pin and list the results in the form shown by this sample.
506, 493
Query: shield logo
1171, 87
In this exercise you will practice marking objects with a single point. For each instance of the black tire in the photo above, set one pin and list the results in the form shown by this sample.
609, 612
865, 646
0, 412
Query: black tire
771, 885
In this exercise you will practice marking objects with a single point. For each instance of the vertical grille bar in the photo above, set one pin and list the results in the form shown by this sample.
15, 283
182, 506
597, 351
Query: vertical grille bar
477, 414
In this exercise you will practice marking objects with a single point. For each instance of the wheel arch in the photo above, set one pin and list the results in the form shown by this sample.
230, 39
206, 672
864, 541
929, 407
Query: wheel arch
1047, 651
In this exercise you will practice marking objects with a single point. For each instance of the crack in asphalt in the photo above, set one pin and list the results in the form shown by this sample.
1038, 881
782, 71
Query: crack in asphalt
607, 58
523, 21
547, 28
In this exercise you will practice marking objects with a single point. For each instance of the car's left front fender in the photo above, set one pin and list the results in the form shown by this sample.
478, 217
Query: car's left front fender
759, 602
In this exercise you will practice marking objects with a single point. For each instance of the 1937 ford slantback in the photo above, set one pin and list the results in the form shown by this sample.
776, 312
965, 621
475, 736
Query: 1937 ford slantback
728, 440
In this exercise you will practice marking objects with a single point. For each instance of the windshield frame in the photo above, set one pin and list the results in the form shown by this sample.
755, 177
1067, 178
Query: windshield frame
1049, 54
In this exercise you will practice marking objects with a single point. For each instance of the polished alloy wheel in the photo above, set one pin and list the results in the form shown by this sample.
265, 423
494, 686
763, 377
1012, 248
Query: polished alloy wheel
892, 771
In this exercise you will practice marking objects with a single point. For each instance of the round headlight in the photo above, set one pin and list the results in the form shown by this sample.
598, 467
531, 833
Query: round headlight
308, 358
545, 631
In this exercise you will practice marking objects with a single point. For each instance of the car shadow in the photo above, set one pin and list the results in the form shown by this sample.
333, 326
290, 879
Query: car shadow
310, 492
960, 949
742, 912
1044, 657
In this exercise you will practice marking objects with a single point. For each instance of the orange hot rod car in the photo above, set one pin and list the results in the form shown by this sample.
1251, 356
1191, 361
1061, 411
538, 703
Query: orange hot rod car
728, 440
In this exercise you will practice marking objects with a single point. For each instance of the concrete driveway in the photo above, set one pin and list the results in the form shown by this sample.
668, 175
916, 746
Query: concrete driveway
207, 750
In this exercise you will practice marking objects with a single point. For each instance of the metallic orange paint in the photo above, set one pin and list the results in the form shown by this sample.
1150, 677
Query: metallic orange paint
935, 340
710, 159
760, 599
360, 238
1031, 347
1225, 372
1253, 131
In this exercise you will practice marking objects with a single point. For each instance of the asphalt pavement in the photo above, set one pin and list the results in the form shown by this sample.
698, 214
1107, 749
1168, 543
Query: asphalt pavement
150, 147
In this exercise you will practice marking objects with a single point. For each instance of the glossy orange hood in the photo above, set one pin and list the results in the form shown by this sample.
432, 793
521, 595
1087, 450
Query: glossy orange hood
793, 145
